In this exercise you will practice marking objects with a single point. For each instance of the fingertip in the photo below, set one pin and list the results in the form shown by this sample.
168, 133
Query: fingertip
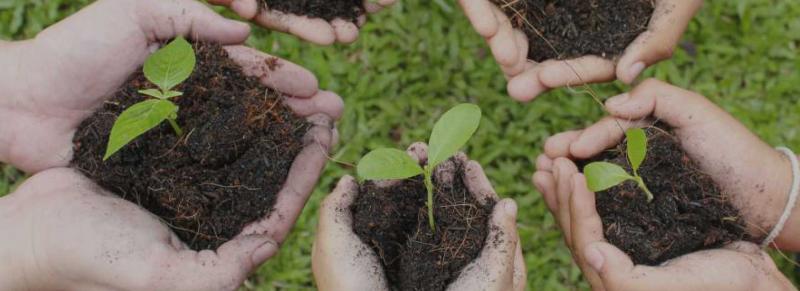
346, 31
628, 73
525, 87
543, 163
247, 9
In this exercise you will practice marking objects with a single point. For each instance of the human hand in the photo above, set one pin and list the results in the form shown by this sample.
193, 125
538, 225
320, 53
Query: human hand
65, 233
529, 79
755, 177
70, 69
339, 261
315, 30
738, 266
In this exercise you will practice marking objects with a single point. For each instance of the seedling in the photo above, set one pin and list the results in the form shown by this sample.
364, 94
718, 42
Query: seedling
165, 68
603, 175
450, 133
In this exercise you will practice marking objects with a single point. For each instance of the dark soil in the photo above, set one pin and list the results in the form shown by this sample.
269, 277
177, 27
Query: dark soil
578, 28
224, 173
394, 223
325, 9
689, 212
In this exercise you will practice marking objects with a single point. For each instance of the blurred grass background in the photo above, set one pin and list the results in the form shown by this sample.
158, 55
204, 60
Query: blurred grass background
420, 57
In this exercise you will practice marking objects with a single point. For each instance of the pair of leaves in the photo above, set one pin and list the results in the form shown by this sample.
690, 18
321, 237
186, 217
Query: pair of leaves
450, 133
165, 68
603, 175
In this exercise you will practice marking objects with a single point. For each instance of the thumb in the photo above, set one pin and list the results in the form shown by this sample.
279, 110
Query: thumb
164, 20
666, 27
607, 259
494, 268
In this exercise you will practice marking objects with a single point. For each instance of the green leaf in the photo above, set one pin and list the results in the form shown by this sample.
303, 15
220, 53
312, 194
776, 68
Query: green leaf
602, 175
170, 65
387, 164
637, 147
137, 120
452, 131
171, 94
153, 93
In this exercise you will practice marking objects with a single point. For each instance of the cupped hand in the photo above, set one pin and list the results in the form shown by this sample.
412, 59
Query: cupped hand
315, 30
342, 262
528, 79
738, 266
71, 68
756, 177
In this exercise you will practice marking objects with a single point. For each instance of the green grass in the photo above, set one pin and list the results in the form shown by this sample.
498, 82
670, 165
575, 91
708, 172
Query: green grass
421, 57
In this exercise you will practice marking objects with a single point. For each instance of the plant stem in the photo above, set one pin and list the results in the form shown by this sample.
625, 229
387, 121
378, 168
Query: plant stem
175, 126
429, 186
644, 188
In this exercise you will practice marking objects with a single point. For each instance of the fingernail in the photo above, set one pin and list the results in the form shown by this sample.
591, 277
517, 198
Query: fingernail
594, 257
618, 100
511, 208
635, 70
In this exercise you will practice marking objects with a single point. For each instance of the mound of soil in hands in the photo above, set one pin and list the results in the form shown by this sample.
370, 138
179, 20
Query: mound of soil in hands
394, 223
688, 213
325, 9
565, 29
226, 170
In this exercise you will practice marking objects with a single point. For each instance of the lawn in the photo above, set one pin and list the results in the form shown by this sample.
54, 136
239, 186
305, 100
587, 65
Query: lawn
421, 57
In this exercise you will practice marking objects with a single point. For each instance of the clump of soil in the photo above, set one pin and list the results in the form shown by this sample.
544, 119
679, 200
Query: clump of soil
226, 170
394, 223
689, 212
326, 9
576, 28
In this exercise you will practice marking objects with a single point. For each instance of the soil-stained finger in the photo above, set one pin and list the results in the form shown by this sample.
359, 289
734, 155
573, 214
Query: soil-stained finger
324, 102
281, 75
478, 184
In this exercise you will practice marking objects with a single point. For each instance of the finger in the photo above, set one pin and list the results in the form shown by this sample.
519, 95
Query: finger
503, 43
246, 9
339, 260
521, 40
315, 30
324, 102
546, 184
560, 73
224, 270
281, 75
419, 152
669, 21
563, 171
520, 271
544, 163
586, 226
558, 145
478, 184
494, 268
675, 106
445, 172
481, 15
346, 31
303, 177
604, 134
192, 19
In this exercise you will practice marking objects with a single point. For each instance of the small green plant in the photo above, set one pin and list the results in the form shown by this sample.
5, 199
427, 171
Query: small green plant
165, 68
603, 175
450, 133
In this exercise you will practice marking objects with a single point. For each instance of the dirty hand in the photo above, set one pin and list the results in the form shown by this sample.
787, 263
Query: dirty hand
71, 235
756, 177
528, 79
342, 262
738, 266
315, 30
71, 68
